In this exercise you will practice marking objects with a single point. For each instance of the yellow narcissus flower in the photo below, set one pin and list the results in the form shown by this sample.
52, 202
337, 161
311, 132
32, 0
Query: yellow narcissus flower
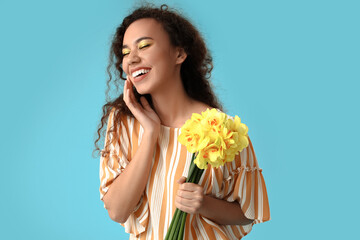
215, 136
191, 133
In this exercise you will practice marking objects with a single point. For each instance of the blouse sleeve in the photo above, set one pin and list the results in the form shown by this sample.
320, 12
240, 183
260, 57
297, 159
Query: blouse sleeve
244, 183
247, 187
115, 156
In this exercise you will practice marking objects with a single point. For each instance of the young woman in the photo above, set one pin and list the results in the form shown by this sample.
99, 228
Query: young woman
143, 167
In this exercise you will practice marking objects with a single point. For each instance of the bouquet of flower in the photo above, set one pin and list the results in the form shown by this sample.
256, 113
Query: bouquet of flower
214, 138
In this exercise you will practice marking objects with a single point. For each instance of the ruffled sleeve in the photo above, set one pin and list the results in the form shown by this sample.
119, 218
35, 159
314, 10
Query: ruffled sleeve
247, 187
115, 156
240, 181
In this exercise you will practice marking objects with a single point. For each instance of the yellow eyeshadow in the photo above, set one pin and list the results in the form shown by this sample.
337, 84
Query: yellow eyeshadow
144, 44
125, 51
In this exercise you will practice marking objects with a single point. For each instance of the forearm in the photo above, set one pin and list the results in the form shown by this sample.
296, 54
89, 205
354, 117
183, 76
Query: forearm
126, 190
223, 212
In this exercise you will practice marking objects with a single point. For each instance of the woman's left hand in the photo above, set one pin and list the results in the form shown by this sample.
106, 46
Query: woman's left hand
190, 197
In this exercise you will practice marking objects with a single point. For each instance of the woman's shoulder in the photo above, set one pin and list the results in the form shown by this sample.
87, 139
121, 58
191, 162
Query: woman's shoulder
200, 107
121, 118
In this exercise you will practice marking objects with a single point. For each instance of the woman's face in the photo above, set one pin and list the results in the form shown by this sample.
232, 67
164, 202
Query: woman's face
149, 59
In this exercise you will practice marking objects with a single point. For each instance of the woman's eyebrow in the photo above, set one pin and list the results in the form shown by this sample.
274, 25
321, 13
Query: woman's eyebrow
138, 40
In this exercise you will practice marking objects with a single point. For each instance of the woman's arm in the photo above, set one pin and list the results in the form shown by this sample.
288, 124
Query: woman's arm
223, 212
126, 190
191, 199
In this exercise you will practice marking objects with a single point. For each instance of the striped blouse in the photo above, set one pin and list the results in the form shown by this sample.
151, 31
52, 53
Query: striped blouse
240, 180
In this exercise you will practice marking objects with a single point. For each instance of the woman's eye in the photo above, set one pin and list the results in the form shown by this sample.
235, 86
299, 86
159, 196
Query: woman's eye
125, 52
141, 46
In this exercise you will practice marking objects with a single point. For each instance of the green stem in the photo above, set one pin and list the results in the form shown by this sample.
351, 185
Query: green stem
182, 227
177, 226
192, 167
193, 175
198, 175
171, 230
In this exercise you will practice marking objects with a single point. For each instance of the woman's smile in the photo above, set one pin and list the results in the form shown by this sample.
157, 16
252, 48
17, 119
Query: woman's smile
139, 74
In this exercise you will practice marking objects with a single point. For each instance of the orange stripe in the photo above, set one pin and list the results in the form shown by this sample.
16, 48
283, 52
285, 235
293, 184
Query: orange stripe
210, 184
135, 137
236, 231
179, 171
251, 184
208, 229
243, 231
248, 187
105, 159
141, 207
256, 194
236, 187
193, 229
255, 164
153, 170
248, 157
218, 176
266, 209
219, 231
129, 150
178, 174
170, 147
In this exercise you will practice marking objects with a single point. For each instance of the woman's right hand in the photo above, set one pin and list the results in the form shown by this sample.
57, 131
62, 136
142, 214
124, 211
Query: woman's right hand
143, 112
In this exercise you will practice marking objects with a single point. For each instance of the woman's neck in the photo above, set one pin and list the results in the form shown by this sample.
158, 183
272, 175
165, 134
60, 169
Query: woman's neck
173, 105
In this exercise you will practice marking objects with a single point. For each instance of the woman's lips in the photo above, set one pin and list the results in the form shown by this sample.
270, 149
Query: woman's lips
141, 77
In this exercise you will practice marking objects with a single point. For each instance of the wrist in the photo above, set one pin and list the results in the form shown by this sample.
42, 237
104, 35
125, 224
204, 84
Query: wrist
204, 205
150, 135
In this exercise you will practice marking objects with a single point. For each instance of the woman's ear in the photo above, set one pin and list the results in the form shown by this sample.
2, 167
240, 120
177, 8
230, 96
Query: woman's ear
181, 55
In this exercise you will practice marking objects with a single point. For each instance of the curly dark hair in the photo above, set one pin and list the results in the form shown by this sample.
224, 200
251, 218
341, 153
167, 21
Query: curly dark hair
195, 71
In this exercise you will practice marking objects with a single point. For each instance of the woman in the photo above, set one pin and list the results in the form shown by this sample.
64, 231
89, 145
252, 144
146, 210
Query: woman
143, 168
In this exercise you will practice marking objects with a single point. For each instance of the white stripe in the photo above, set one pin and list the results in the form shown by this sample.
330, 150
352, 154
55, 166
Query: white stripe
124, 141
214, 225
251, 157
178, 153
250, 213
202, 229
149, 231
168, 216
229, 232
144, 214
217, 236
187, 164
198, 234
141, 133
215, 189
158, 188
243, 155
247, 228
242, 188
233, 164
130, 123
188, 226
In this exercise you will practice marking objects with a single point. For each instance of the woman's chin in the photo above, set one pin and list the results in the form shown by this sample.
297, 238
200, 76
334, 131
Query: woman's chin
142, 91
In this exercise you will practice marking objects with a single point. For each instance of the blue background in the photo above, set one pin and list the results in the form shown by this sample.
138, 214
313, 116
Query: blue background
289, 69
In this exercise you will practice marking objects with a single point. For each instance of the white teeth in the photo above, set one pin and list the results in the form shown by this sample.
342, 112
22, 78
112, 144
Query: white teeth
138, 72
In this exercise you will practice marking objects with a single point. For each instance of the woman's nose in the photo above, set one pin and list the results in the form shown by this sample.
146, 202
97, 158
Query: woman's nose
133, 57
